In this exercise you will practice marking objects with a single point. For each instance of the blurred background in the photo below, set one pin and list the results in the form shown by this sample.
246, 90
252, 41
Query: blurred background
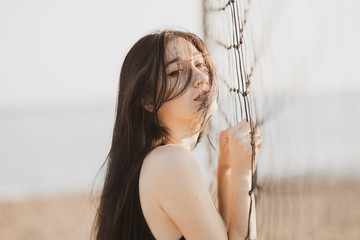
298, 60
60, 62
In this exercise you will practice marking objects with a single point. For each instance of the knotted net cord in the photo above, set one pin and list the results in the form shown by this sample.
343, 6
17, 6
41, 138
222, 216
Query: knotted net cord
229, 35
238, 82
268, 56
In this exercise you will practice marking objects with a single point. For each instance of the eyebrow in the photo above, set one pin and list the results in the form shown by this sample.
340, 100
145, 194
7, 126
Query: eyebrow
172, 61
178, 59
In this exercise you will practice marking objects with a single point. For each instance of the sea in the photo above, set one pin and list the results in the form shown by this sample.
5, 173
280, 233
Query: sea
50, 150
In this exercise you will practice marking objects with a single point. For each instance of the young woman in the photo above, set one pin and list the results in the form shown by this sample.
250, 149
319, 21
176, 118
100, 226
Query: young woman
154, 187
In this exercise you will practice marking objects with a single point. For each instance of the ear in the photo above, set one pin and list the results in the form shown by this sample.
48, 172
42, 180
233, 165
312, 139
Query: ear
149, 107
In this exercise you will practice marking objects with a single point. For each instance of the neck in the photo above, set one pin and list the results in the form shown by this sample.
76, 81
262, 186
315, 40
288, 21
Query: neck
182, 135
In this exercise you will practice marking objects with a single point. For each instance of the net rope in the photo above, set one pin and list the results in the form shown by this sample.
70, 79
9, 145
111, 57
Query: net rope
273, 60
228, 33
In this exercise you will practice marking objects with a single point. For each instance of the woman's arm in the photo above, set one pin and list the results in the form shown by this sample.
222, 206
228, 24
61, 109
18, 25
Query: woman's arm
239, 205
223, 177
223, 191
234, 190
234, 185
176, 182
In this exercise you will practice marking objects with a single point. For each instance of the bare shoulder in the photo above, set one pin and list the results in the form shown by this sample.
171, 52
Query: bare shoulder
177, 182
169, 150
169, 157
166, 162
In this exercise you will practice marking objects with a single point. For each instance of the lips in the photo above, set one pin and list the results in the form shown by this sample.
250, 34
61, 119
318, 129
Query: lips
200, 97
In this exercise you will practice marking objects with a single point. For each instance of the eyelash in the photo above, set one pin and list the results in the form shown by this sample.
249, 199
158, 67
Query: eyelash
176, 72
201, 65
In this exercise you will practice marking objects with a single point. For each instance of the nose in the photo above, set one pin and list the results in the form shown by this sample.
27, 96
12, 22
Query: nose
199, 77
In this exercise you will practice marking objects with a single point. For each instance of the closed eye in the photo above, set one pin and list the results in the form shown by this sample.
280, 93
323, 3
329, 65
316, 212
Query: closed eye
175, 73
201, 65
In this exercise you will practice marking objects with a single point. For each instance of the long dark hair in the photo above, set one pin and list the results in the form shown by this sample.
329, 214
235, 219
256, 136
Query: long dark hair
137, 131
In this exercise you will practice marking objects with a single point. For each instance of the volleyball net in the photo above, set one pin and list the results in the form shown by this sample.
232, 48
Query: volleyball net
262, 73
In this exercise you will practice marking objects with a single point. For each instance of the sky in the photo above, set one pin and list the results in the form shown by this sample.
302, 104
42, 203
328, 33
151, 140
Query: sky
70, 52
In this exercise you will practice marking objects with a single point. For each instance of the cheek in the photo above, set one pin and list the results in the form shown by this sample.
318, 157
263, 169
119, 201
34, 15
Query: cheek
180, 108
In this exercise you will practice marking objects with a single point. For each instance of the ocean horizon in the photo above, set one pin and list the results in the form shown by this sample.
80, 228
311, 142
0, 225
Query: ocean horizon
55, 150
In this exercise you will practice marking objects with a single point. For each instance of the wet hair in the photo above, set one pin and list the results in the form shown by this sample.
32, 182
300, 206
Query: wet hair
137, 130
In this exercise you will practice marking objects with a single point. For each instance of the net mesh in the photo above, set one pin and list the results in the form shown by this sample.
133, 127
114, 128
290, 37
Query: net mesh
259, 77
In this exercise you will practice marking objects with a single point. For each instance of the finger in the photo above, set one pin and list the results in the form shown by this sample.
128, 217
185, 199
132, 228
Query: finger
258, 138
243, 120
258, 142
251, 124
241, 128
253, 121
255, 132
224, 133
242, 123
245, 130
224, 137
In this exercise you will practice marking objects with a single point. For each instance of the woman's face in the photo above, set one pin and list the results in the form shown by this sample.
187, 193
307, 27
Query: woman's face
184, 62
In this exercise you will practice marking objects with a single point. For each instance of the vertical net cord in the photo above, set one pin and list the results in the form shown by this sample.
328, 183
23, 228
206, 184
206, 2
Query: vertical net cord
243, 83
238, 47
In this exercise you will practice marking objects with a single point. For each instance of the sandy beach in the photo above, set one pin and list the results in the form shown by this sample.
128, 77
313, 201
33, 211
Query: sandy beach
61, 217
286, 210
309, 209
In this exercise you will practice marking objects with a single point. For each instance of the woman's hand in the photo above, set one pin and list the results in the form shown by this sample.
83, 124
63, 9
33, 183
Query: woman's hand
235, 146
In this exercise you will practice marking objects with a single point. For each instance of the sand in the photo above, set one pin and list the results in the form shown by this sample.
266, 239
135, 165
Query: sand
309, 209
287, 210
62, 217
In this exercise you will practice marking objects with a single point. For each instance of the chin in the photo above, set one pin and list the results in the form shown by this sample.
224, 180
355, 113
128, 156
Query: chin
212, 109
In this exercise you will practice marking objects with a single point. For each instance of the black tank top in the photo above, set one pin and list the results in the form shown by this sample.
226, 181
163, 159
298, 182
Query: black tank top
144, 228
